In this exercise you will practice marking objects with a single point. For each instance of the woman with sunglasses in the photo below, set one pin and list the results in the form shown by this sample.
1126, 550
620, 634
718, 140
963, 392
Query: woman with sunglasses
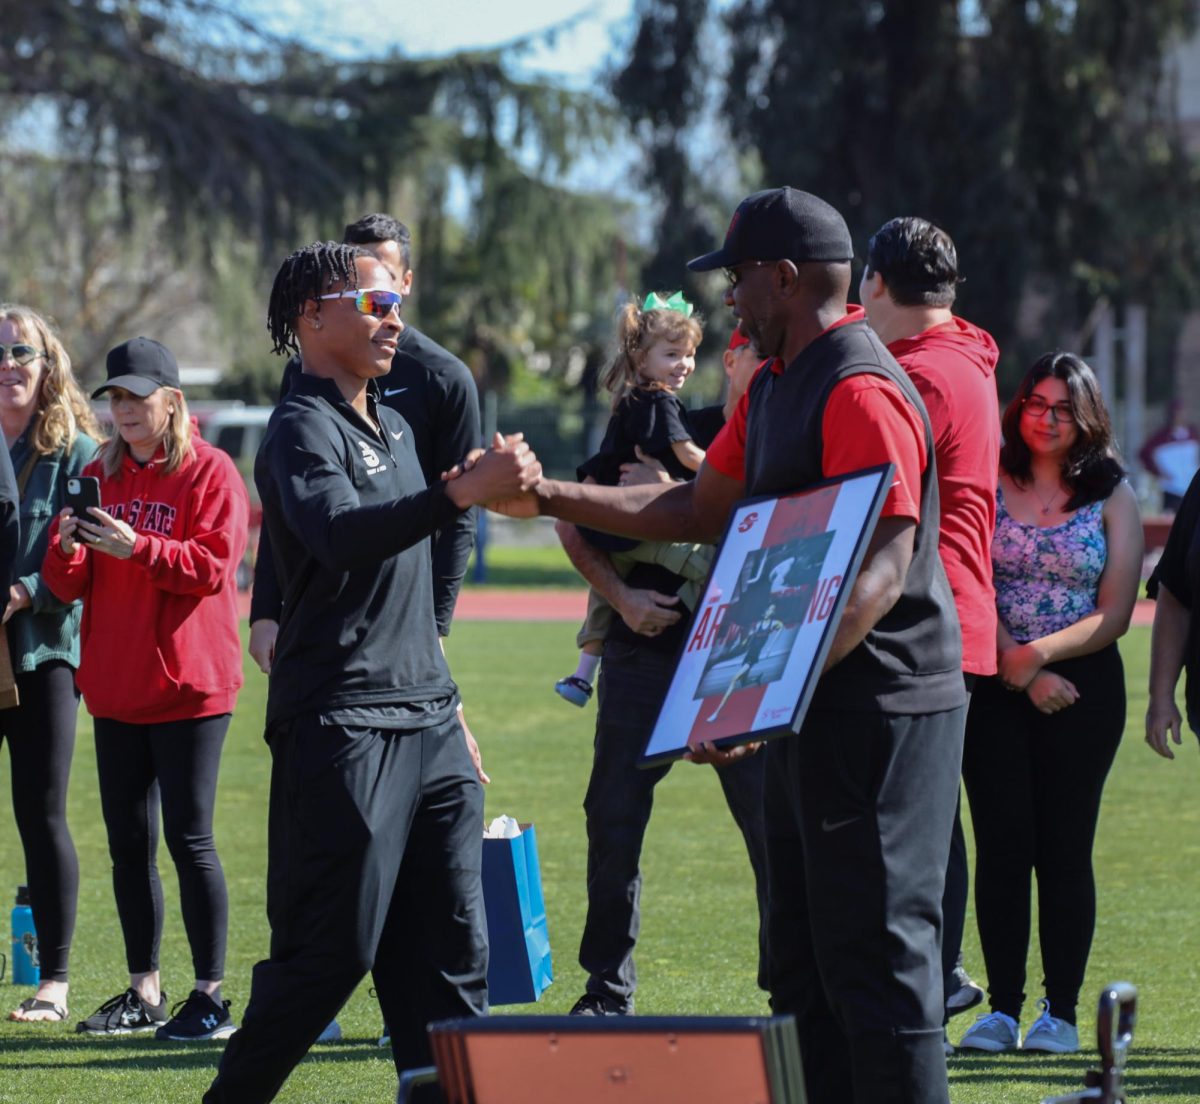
1042, 734
51, 434
160, 669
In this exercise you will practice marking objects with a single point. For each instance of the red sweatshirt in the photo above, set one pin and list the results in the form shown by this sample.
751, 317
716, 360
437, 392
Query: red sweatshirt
159, 635
954, 368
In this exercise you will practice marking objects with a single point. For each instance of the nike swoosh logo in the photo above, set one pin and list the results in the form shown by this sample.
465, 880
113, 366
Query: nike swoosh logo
828, 825
394, 391
397, 436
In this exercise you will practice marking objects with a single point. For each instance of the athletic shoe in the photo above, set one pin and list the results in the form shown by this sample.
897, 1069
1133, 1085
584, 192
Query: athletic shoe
385, 1039
600, 1004
331, 1034
962, 994
574, 689
196, 1019
125, 1014
1050, 1034
947, 1045
992, 1032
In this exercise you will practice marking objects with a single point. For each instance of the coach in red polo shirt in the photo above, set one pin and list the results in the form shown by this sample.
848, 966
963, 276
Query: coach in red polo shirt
860, 803
908, 289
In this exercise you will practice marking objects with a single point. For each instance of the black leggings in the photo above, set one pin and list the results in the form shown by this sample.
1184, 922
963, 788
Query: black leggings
179, 761
1034, 782
41, 741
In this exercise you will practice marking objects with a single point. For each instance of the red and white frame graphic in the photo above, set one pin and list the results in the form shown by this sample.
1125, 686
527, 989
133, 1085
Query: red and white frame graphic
769, 611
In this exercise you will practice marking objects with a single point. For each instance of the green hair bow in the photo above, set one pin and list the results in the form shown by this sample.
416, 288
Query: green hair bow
676, 303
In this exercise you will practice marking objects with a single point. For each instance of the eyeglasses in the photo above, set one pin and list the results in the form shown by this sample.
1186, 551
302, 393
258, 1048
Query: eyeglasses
21, 354
732, 275
1035, 406
376, 301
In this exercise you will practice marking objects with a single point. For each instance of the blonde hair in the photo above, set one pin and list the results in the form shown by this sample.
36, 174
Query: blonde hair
62, 410
177, 441
637, 330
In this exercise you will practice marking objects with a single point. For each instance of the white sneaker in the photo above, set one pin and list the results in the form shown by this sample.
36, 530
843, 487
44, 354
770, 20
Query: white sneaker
1050, 1034
993, 1032
331, 1034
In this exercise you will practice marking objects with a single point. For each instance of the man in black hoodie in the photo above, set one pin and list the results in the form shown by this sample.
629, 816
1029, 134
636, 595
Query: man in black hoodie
376, 810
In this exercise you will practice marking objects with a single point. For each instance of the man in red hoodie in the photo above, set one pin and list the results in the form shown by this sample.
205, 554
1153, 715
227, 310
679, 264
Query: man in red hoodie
908, 290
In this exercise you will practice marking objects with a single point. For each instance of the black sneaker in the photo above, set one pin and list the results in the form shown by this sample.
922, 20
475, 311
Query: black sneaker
125, 1014
198, 1018
600, 1004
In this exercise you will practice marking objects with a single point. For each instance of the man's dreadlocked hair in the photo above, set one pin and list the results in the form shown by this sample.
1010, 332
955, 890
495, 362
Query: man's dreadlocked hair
307, 274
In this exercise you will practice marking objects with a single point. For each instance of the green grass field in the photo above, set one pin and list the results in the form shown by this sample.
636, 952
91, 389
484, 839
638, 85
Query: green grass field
696, 953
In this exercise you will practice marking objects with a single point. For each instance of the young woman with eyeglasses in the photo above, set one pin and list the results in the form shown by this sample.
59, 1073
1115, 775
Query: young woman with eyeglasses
51, 434
155, 565
1042, 734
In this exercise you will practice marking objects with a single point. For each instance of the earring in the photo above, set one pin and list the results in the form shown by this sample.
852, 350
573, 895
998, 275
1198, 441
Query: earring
317, 323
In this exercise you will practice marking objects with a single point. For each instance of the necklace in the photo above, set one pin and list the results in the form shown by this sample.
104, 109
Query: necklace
1047, 504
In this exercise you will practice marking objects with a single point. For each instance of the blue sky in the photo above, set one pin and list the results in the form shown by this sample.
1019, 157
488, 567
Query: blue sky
422, 27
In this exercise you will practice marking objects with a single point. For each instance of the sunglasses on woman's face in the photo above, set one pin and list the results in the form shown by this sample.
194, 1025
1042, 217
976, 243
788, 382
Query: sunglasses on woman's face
375, 301
20, 354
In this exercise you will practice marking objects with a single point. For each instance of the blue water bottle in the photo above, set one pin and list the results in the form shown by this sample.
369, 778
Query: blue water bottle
26, 966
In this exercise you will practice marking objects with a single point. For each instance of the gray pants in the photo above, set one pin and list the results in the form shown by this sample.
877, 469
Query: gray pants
373, 866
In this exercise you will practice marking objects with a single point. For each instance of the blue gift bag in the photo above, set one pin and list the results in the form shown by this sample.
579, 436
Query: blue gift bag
519, 967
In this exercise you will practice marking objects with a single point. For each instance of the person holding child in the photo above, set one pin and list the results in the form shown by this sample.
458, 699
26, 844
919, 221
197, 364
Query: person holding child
656, 354
639, 648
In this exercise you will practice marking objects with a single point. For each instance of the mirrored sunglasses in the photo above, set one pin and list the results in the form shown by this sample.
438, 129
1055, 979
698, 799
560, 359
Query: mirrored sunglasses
376, 301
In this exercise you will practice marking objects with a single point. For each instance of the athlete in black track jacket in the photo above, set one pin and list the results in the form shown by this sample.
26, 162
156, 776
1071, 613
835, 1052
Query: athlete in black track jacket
375, 814
435, 393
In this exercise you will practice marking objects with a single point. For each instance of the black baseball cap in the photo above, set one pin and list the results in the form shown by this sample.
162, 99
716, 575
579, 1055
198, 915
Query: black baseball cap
781, 224
140, 366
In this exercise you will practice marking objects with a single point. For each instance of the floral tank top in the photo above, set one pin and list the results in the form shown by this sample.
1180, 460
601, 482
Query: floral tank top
1047, 578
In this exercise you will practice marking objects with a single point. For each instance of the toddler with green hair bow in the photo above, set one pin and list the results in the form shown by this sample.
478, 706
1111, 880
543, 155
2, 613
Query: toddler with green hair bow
656, 353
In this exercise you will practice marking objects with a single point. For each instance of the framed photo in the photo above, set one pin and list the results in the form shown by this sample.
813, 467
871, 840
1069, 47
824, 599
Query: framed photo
763, 627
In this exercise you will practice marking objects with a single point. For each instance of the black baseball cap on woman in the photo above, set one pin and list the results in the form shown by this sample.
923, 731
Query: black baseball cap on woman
781, 224
140, 366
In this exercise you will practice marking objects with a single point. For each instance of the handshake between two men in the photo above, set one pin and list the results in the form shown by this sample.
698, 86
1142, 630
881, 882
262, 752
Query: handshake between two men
502, 477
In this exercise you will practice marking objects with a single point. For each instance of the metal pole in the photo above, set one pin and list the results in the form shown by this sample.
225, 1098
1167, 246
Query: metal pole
490, 417
1135, 380
1104, 340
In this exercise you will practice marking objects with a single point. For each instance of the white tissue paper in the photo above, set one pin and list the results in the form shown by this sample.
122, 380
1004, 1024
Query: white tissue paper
503, 827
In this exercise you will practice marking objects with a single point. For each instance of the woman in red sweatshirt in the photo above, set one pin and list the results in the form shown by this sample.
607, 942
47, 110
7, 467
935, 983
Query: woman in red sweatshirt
159, 672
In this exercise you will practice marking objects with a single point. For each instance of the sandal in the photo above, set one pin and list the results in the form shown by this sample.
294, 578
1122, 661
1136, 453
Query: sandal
32, 1004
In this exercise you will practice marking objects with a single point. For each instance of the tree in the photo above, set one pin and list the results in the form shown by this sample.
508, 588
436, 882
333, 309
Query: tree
194, 135
660, 89
1038, 133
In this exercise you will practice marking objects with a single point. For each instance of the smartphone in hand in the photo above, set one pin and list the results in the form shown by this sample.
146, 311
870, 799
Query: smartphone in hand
83, 491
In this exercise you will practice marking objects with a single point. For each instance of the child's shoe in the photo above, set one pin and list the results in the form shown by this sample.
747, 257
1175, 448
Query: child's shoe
574, 689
